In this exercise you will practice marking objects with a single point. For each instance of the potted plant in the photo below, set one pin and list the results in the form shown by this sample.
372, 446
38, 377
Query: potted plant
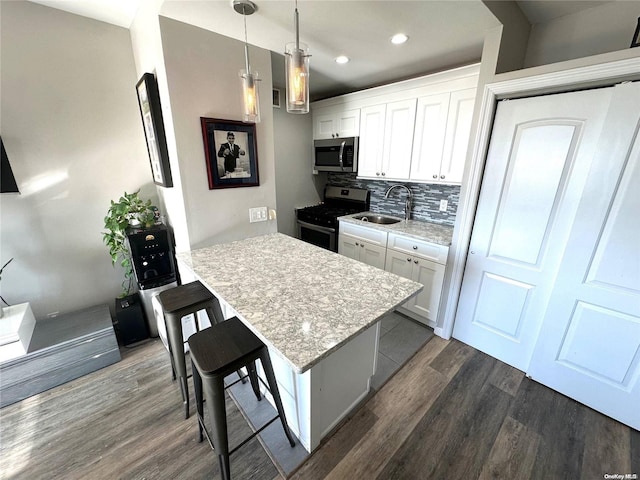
129, 210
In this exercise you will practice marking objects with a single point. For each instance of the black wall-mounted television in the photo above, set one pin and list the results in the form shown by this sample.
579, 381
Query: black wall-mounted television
7, 180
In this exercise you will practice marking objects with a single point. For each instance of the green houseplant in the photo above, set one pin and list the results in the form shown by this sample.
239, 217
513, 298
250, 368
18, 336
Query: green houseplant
129, 210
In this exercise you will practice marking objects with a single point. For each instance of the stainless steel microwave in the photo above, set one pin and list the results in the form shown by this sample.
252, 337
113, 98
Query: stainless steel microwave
336, 155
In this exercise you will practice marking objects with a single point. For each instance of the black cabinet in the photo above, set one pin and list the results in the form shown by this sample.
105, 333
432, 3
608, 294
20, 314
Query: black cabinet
130, 323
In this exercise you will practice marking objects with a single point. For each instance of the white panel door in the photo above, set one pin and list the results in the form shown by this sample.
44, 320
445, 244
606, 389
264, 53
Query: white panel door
589, 343
539, 155
398, 139
373, 255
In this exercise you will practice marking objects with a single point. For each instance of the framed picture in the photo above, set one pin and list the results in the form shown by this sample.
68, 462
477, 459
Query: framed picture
149, 101
231, 153
276, 98
636, 36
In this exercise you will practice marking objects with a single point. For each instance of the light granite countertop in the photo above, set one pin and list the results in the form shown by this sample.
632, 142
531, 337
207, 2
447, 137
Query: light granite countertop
300, 299
427, 231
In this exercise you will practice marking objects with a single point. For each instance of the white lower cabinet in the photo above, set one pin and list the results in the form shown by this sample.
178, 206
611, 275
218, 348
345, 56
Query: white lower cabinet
425, 305
363, 244
422, 262
417, 260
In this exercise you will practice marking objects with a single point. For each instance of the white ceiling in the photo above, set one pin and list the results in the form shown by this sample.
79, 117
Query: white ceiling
443, 33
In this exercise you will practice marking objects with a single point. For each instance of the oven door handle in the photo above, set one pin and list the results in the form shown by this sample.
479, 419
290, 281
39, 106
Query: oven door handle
317, 227
340, 154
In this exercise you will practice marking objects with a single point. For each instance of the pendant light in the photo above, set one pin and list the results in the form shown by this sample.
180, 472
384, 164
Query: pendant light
297, 72
249, 80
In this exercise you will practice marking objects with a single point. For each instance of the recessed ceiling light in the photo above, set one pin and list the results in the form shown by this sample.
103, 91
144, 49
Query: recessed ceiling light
342, 59
399, 38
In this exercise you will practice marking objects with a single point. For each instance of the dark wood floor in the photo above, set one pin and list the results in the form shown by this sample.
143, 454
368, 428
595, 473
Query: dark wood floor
451, 412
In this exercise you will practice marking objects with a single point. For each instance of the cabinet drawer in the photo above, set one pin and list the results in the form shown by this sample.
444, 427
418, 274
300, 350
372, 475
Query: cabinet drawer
430, 251
372, 235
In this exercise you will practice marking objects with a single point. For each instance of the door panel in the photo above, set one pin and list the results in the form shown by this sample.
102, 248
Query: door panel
543, 153
493, 313
539, 156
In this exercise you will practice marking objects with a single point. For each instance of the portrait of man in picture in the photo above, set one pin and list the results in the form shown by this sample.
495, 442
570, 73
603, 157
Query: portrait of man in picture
230, 151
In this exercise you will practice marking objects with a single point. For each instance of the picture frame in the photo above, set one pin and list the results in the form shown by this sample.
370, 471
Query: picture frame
151, 113
635, 42
275, 98
231, 153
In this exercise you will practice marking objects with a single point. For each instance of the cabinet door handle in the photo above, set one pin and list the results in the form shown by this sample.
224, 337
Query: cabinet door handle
362, 245
408, 259
383, 174
435, 176
357, 244
378, 173
442, 176
415, 247
415, 261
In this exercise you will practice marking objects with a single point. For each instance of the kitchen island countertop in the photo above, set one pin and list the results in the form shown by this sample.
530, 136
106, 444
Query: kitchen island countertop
302, 300
420, 230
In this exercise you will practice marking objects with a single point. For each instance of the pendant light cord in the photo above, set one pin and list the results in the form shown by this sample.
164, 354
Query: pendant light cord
246, 44
295, 20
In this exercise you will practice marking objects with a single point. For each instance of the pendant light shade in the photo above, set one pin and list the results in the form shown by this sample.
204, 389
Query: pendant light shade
248, 78
297, 73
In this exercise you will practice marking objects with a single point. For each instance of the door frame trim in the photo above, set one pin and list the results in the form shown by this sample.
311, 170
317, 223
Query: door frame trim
557, 78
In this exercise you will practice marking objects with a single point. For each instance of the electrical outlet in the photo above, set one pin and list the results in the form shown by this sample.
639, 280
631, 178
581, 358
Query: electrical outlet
443, 205
258, 214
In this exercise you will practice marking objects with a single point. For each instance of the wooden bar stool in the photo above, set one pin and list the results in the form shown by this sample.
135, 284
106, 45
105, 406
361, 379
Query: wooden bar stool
215, 353
177, 303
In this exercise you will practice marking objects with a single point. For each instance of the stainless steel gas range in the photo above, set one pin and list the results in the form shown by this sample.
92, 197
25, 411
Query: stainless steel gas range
318, 224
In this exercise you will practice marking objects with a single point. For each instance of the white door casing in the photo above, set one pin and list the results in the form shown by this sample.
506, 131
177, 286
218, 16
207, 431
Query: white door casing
540, 152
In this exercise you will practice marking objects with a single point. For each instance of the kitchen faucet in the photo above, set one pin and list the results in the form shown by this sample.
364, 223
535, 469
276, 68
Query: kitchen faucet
407, 202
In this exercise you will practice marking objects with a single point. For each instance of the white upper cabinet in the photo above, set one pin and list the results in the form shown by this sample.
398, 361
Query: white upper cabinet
386, 135
336, 122
398, 138
372, 121
417, 130
457, 136
428, 142
443, 126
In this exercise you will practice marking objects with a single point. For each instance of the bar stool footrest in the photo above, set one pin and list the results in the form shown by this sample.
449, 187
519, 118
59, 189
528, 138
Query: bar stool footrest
241, 444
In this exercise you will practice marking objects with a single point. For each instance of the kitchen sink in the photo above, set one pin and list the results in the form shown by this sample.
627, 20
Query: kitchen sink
378, 219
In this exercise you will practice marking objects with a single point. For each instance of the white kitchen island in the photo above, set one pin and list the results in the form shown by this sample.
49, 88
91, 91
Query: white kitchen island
317, 311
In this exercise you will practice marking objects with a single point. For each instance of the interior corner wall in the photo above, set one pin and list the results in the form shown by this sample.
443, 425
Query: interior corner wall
71, 127
515, 34
602, 29
202, 78
296, 185
149, 58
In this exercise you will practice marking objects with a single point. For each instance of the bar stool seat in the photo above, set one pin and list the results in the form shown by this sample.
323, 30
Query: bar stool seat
176, 303
217, 352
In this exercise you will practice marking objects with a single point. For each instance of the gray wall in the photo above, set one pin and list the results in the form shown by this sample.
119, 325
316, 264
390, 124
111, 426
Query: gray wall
73, 133
199, 87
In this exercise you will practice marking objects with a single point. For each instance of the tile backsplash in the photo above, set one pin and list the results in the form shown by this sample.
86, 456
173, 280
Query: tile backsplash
426, 197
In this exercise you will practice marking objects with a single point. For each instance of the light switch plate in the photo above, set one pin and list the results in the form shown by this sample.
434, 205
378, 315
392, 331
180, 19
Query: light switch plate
443, 205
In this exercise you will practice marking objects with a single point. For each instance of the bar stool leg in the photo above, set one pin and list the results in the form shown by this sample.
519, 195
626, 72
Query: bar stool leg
174, 334
197, 388
214, 393
253, 378
273, 386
